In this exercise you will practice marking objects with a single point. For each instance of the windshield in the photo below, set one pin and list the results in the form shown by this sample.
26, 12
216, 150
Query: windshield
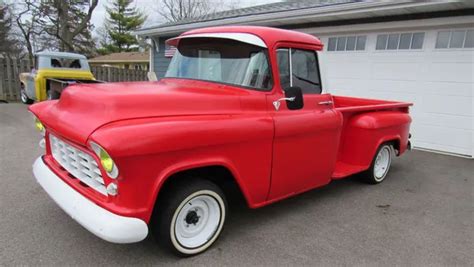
223, 61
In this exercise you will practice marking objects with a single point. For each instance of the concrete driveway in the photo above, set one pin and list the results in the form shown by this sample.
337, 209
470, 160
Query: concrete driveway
421, 215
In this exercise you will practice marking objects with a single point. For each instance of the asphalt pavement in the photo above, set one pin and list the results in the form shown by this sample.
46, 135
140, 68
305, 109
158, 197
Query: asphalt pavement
423, 214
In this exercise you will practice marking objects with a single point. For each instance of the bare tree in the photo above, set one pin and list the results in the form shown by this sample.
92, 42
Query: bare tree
10, 46
176, 10
27, 21
69, 22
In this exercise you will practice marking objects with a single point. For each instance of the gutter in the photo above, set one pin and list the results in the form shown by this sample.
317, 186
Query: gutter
324, 13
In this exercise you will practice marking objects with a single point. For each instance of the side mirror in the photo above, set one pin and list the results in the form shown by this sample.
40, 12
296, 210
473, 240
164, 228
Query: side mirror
294, 98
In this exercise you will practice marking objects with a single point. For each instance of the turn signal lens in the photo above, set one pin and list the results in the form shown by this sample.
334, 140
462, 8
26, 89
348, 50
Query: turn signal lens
39, 125
106, 161
112, 189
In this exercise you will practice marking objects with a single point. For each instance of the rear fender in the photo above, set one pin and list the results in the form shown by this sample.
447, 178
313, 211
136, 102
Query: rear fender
367, 131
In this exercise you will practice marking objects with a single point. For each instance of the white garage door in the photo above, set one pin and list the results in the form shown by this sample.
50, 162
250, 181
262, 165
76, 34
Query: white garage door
431, 68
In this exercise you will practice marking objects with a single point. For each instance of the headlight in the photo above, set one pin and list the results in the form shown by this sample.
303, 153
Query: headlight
105, 160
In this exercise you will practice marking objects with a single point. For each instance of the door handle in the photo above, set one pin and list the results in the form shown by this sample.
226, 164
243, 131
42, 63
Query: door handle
291, 99
325, 103
276, 103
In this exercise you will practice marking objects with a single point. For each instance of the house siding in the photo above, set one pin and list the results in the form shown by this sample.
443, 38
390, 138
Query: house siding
160, 61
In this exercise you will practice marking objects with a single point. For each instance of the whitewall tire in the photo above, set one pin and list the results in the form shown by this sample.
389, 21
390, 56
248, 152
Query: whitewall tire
380, 165
191, 217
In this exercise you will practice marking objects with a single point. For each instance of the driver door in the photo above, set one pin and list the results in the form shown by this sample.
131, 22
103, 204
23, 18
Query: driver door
306, 140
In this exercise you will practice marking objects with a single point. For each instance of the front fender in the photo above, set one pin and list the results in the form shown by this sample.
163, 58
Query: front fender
149, 151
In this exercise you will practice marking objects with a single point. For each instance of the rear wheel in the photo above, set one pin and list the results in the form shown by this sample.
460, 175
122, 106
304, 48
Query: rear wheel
380, 165
190, 217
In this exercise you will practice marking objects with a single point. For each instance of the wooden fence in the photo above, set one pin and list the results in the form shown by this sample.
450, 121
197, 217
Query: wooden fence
11, 68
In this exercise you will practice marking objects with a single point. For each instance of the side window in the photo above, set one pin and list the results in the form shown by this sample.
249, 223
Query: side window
75, 64
305, 71
55, 63
299, 68
284, 68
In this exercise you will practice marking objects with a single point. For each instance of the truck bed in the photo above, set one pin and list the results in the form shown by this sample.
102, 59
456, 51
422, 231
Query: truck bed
346, 104
353, 138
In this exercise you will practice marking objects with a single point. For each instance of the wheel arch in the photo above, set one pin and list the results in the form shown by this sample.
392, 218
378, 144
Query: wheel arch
393, 139
221, 173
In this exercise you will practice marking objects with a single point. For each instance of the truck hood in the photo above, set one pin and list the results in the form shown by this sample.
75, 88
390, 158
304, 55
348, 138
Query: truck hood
83, 108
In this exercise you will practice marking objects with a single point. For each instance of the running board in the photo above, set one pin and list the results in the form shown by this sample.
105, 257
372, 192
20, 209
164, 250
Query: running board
343, 170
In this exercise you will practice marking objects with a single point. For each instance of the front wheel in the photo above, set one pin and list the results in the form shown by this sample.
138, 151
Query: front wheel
24, 97
380, 165
190, 218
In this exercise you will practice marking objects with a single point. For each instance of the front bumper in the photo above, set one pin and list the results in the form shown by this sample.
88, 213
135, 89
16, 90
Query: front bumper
99, 221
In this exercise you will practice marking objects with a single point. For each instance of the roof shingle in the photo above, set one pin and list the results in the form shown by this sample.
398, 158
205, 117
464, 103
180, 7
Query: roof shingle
256, 10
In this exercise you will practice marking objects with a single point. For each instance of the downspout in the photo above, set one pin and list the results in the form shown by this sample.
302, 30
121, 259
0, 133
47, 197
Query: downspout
152, 56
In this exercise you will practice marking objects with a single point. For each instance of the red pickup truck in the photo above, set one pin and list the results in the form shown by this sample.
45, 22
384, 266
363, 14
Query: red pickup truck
239, 107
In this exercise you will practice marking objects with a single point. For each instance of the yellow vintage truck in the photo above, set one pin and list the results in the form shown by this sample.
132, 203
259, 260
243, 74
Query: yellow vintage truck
52, 72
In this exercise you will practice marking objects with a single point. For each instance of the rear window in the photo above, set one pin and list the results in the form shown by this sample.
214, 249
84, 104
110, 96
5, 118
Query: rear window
58, 62
65, 63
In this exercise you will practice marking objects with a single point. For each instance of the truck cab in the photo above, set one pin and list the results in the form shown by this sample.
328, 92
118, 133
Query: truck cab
240, 108
51, 72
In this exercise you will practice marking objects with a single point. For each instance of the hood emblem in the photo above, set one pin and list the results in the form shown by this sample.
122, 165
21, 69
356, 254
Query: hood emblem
276, 104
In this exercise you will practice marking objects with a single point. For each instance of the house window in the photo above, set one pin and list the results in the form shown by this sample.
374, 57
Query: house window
400, 41
347, 43
455, 39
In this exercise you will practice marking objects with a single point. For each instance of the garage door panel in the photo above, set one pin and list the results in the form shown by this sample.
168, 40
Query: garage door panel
447, 88
397, 56
450, 72
395, 86
451, 56
359, 70
349, 87
404, 97
356, 65
455, 139
441, 147
396, 71
443, 120
443, 104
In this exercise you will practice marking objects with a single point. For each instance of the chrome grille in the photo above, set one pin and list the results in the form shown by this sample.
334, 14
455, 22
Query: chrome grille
78, 163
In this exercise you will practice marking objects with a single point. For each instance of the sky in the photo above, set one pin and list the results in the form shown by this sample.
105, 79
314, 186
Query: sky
149, 8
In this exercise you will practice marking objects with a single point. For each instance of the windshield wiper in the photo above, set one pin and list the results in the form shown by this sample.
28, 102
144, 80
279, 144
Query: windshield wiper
305, 80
